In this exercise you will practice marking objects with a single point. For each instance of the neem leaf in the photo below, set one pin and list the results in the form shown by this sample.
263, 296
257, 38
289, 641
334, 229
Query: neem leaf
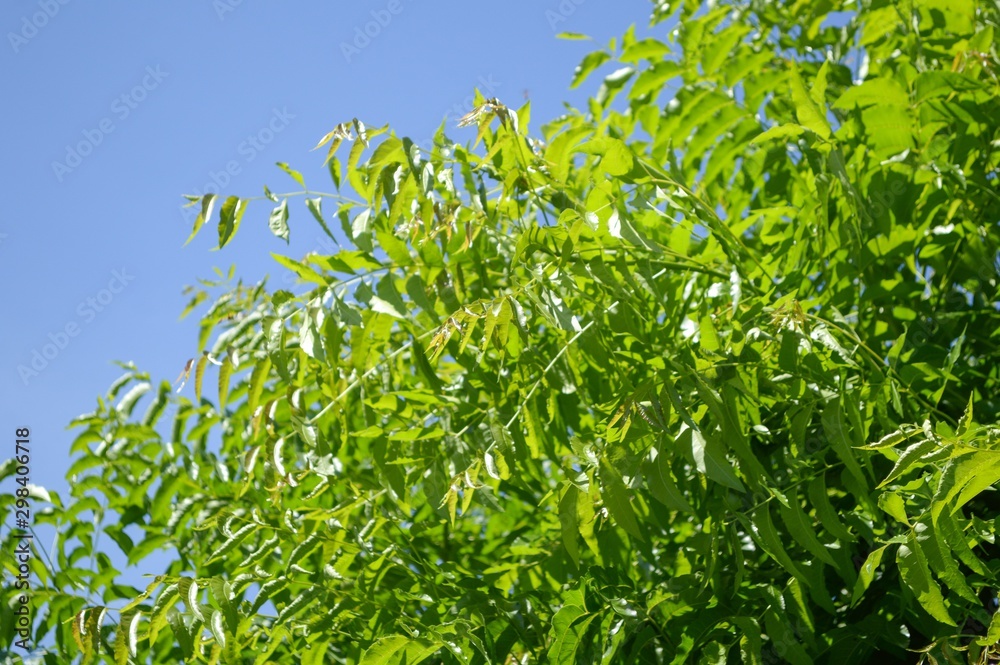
938, 83
260, 372
361, 229
568, 626
292, 172
875, 91
810, 115
569, 521
388, 299
315, 206
207, 203
917, 576
229, 219
218, 628
867, 574
710, 458
359, 127
279, 220
301, 269
781, 131
225, 370
590, 62
662, 485
126, 636
199, 375
801, 529
617, 158
616, 498
762, 528
385, 650
385, 307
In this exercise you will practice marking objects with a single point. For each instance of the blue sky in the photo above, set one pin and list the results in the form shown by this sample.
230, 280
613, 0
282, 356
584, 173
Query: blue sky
113, 110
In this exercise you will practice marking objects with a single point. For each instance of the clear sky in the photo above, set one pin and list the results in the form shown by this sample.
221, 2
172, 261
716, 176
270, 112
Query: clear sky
112, 110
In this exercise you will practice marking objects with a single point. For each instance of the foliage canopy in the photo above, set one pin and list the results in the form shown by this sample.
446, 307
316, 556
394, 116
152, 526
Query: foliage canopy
706, 372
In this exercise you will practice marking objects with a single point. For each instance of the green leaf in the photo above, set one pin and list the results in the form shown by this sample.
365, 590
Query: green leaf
301, 269
834, 427
207, 203
828, 517
385, 650
654, 79
871, 92
568, 625
296, 176
966, 422
913, 568
779, 132
788, 645
810, 115
127, 636
199, 375
763, 531
361, 229
230, 217
751, 643
893, 505
225, 370
385, 307
662, 485
569, 521
908, 458
591, 62
964, 479
586, 517
616, 498
310, 334
709, 341
992, 633
801, 529
258, 377
889, 130
362, 132
867, 574
818, 92
941, 562
279, 220
183, 635
710, 459
334, 166
646, 49
617, 158
932, 84
218, 628
892, 439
